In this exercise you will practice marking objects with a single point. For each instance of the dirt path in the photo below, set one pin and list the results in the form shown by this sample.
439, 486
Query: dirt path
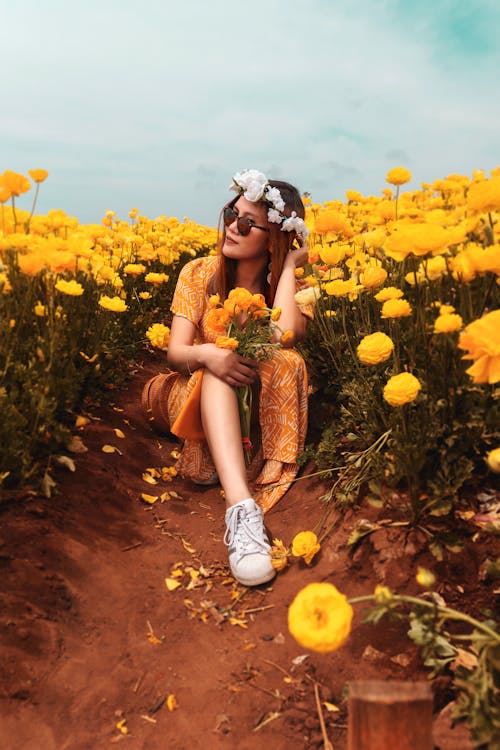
92, 636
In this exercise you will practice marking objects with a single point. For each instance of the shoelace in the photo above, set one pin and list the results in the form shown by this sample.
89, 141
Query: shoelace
245, 533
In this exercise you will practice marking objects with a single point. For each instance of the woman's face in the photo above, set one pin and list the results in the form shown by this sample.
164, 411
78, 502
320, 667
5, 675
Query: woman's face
252, 246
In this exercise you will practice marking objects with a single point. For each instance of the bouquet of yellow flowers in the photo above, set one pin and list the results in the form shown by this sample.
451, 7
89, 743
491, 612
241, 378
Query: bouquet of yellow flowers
245, 324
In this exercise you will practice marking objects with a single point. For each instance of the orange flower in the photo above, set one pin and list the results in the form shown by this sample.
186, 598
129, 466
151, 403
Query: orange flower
398, 176
226, 342
287, 338
4, 193
239, 300
305, 545
38, 175
217, 319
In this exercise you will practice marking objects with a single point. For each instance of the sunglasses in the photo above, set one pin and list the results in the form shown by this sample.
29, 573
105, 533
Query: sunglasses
243, 223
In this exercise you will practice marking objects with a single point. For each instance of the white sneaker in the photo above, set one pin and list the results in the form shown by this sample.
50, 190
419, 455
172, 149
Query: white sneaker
248, 544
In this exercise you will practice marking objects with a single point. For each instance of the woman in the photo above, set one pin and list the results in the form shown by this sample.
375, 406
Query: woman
262, 244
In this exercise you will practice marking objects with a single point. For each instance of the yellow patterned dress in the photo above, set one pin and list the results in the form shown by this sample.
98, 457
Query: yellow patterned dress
282, 408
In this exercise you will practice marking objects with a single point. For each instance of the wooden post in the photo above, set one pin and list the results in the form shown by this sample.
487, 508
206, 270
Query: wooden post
390, 715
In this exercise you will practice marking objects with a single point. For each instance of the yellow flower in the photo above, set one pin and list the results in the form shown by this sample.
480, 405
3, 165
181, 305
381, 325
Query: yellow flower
5, 193
275, 313
398, 176
373, 276
12, 323
425, 578
226, 342
73, 288
482, 342
493, 460
320, 617
238, 300
156, 278
396, 308
279, 555
287, 338
159, 335
484, 195
38, 175
133, 213
134, 269
305, 544
40, 310
329, 221
145, 295
375, 348
214, 300
401, 389
15, 183
389, 292
448, 323
383, 594
446, 309
114, 304
333, 254
419, 239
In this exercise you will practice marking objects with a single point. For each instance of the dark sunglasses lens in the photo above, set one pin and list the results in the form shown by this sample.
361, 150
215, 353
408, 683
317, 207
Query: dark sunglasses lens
229, 216
243, 225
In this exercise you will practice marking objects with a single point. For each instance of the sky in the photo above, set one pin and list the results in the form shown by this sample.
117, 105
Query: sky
156, 104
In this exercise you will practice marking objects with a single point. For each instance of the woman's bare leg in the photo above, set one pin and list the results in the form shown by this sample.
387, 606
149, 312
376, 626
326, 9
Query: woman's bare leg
221, 425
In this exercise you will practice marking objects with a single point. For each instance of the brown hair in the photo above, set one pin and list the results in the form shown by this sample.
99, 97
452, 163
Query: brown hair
280, 244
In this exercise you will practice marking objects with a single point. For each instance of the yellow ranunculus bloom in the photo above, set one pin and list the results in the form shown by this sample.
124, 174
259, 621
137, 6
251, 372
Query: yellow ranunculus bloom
134, 269
482, 342
448, 323
15, 183
305, 544
275, 314
401, 389
383, 594
396, 308
329, 221
389, 292
445, 309
398, 176
493, 460
73, 288
214, 300
320, 617
114, 304
159, 335
145, 295
156, 278
226, 342
373, 276
217, 319
484, 195
375, 348
38, 175
307, 296
40, 310
287, 338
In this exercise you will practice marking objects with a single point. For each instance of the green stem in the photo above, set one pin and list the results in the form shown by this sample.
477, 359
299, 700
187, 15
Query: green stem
450, 614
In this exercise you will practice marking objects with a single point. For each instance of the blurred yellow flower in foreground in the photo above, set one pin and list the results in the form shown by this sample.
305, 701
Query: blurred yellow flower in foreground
398, 176
383, 594
305, 544
159, 335
493, 460
425, 577
401, 389
447, 323
73, 288
320, 617
375, 348
481, 340
114, 304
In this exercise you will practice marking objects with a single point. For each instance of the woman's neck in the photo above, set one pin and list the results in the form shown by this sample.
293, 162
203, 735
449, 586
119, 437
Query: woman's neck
250, 274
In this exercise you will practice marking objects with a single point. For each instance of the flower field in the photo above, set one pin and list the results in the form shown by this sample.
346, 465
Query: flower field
404, 350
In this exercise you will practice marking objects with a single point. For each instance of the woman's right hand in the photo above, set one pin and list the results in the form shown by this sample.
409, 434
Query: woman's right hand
230, 367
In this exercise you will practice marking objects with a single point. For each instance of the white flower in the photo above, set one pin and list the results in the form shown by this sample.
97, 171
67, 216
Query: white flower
295, 222
273, 195
251, 182
274, 216
307, 296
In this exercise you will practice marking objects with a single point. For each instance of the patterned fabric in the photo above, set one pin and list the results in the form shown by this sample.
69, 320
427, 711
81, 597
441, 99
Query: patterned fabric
282, 398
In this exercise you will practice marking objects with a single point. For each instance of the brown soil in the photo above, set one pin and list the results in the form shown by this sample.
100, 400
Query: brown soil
92, 636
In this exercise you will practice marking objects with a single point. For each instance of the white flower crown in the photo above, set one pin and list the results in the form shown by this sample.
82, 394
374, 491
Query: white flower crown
254, 186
